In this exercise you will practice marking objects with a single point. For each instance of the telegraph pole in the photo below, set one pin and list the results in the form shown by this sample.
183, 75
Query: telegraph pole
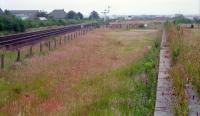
199, 9
198, 16
105, 12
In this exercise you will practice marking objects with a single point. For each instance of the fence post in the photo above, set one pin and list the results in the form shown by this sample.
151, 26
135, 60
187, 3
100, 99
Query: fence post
65, 39
31, 51
2, 61
68, 37
18, 55
60, 40
55, 43
49, 45
41, 47
71, 36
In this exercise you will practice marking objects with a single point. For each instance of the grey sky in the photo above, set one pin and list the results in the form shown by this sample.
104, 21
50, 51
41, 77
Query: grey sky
119, 7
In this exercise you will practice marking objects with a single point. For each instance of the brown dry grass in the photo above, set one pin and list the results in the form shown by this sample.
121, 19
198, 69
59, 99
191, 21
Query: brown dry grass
46, 84
184, 46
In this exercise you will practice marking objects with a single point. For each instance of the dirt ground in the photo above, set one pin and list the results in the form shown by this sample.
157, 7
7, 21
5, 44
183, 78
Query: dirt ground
56, 75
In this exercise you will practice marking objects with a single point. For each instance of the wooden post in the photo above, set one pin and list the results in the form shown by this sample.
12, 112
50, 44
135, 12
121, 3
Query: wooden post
18, 55
68, 37
2, 61
31, 51
41, 47
65, 39
55, 43
60, 40
49, 45
71, 36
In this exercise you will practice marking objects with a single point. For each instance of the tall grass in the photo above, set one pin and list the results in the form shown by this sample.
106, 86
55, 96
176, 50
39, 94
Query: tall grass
130, 90
179, 47
39, 80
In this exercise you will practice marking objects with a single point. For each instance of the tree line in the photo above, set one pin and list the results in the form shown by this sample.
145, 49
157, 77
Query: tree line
178, 19
72, 15
11, 23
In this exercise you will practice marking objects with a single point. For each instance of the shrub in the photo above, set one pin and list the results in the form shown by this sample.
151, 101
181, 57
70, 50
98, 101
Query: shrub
8, 22
175, 53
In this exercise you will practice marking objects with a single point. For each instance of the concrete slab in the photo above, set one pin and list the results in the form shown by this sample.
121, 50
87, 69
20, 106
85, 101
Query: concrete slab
194, 104
164, 93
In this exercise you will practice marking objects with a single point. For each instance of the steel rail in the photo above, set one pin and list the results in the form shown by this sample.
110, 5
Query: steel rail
18, 40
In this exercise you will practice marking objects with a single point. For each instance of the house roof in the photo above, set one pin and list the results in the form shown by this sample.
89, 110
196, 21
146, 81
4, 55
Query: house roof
59, 13
1, 11
28, 13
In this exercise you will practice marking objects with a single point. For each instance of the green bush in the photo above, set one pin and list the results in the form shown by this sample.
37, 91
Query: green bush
182, 20
175, 53
10, 23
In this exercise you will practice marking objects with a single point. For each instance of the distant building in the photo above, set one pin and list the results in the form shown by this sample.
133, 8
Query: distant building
25, 14
189, 17
22, 16
128, 17
1, 11
42, 18
178, 16
58, 14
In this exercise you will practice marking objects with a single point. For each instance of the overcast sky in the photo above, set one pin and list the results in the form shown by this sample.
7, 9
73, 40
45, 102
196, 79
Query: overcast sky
118, 7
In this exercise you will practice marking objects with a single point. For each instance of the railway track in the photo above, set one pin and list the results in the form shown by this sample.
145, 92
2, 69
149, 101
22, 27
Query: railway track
20, 40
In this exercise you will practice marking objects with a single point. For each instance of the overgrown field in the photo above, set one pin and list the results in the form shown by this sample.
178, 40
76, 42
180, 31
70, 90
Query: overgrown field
184, 47
105, 72
130, 90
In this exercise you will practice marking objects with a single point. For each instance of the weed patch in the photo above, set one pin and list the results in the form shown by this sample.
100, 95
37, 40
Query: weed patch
178, 74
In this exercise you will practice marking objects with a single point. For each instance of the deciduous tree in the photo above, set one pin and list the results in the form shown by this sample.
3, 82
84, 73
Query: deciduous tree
94, 15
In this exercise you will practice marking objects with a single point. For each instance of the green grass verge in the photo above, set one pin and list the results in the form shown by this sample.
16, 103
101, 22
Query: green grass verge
12, 90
